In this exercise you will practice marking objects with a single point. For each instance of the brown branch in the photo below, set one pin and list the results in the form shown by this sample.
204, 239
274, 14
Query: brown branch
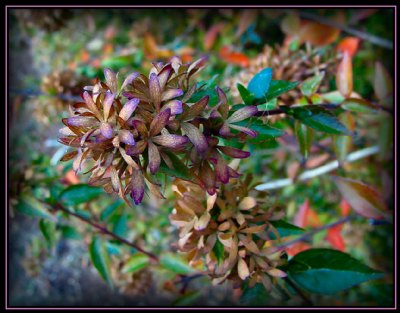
105, 231
385, 43
315, 231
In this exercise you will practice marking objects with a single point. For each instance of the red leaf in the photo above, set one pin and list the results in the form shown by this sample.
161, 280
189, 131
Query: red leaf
334, 237
344, 207
349, 45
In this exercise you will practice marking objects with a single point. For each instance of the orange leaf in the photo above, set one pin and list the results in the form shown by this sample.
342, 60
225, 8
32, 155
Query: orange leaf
297, 248
85, 56
344, 75
71, 178
211, 35
344, 207
236, 58
364, 199
108, 48
317, 34
334, 237
150, 47
306, 216
349, 45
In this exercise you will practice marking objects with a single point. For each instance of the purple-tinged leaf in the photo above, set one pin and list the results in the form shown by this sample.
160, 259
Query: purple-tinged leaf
137, 185
128, 159
223, 107
196, 137
224, 130
81, 121
171, 94
91, 105
221, 170
159, 122
164, 75
126, 137
140, 126
128, 109
106, 130
207, 176
154, 158
195, 110
137, 149
108, 101
129, 79
170, 141
242, 114
245, 130
175, 106
155, 90
111, 80
233, 152
197, 65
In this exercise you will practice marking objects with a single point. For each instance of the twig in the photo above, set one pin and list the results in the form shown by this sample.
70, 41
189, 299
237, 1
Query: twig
105, 231
315, 231
298, 291
363, 35
360, 154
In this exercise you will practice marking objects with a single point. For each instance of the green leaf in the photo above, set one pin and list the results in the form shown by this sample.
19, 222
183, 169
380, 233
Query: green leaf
286, 229
259, 84
120, 225
270, 105
278, 87
81, 193
100, 259
359, 106
326, 271
247, 97
110, 210
311, 85
304, 137
69, 232
180, 170
136, 263
187, 299
30, 206
219, 251
118, 62
256, 296
317, 118
175, 264
48, 230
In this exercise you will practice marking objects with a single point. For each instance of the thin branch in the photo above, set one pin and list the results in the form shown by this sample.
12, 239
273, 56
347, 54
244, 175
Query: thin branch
298, 291
329, 106
315, 231
354, 156
105, 231
385, 43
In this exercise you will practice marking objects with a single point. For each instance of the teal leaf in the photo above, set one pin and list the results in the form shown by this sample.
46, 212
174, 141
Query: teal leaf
326, 271
120, 226
286, 229
175, 264
110, 210
81, 193
69, 232
100, 259
136, 263
219, 251
317, 118
259, 84
30, 206
278, 87
256, 296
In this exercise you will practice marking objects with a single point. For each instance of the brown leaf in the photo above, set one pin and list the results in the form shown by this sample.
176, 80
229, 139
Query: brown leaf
243, 270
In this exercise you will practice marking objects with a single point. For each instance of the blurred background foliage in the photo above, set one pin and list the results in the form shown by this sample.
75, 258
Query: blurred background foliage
55, 52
